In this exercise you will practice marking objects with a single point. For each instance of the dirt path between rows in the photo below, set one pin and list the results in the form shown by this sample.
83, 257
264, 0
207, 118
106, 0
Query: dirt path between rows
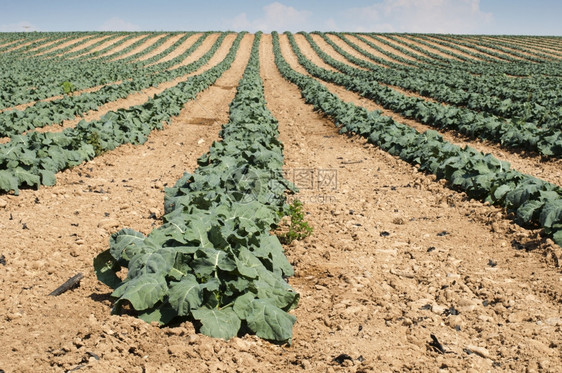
23, 45
101, 46
431, 50
71, 41
371, 50
329, 49
430, 39
149, 42
179, 50
548, 170
85, 45
382, 45
125, 45
68, 224
535, 48
167, 44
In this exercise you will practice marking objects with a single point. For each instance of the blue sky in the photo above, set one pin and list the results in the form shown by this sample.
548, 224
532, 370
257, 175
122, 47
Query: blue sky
534, 17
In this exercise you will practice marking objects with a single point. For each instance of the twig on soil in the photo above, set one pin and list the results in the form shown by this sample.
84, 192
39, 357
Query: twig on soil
402, 274
351, 162
69, 284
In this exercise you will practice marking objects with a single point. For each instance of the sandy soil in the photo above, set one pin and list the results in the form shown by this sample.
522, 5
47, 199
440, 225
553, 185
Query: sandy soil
329, 49
122, 46
141, 47
371, 50
104, 45
396, 262
71, 41
167, 44
140, 97
534, 48
87, 44
180, 49
31, 42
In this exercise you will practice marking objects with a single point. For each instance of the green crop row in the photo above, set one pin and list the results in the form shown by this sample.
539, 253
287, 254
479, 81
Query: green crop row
213, 261
546, 141
429, 83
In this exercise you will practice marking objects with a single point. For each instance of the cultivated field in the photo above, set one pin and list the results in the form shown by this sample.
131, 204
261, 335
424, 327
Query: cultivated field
429, 167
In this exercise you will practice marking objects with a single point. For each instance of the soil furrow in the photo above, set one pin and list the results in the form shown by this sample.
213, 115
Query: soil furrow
371, 50
346, 47
141, 47
23, 45
168, 43
85, 45
63, 45
328, 48
103, 46
450, 41
119, 48
179, 50
387, 48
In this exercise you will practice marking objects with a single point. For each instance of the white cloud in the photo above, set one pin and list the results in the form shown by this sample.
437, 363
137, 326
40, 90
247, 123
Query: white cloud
439, 16
118, 24
18, 27
276, 16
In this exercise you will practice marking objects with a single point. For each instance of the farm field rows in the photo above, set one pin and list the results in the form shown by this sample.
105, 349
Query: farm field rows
436, 201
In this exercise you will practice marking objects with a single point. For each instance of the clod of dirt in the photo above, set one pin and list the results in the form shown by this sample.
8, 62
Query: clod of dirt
340, 359
480, 351
450, 311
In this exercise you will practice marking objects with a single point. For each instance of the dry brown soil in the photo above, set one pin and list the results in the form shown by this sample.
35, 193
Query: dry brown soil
400, 274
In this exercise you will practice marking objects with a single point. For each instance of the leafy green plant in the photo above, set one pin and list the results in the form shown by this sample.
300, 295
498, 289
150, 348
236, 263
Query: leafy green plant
94, 139
67, 87
297, 228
